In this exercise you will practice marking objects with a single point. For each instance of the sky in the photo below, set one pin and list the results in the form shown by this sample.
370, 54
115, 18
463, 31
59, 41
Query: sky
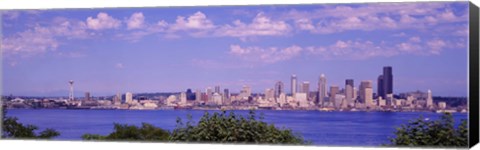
169, 49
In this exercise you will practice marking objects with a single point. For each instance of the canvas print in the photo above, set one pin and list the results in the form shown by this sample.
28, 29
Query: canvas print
359, 74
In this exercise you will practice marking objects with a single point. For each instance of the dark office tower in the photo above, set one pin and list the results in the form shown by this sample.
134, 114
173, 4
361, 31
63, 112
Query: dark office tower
226, 96
387, 80
278, 89
190, 94
226, 92
380, 86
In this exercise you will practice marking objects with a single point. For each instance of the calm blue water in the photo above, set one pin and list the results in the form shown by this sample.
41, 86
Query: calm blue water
323, 128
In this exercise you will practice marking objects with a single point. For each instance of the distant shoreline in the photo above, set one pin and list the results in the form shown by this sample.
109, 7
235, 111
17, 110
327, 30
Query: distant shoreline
392, 111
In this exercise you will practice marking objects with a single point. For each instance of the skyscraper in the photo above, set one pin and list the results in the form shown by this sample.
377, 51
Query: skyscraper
429, 99
349, 91
269, 94
217, 89
333, 93
293, 87
305, 87
117, 99
366, 93
209, 93
198, 95
128, 97
380, 87
183, 98
322, 89
387, 80
278, 88
87, 96
245, 92
226, 93
226, 96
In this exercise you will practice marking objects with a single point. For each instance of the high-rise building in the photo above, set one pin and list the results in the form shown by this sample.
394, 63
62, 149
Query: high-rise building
87, 96
217, 98
348, 91
322, 89
387, 80
269, 94
333, 93
369, 97
363, 86
217, 89
198, 95
226, 92
128, 97
183, 98
209, 93
380, 86
245, 92
429, 99
278, 89
305, 87
293, 87
282, 99
117, 99
366, 93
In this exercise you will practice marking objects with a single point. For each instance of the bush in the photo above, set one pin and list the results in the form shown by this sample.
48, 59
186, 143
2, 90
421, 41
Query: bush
147, 132
11, 128
216, 128
231, 128
421, 132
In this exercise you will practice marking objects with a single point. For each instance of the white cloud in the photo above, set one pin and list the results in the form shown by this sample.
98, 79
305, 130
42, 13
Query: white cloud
345, 50
436, 45
119, 66
41, 39
385, 16
103, 21
415, 39
261, 25
265, 55
198, 21
136, 21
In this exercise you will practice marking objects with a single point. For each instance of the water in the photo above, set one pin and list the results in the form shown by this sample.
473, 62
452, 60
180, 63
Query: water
322, 128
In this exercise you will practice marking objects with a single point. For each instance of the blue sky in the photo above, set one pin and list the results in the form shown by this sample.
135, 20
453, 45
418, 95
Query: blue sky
170, 49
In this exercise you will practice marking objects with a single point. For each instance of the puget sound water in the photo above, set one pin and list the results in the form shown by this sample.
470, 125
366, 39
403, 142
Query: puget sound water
322, 128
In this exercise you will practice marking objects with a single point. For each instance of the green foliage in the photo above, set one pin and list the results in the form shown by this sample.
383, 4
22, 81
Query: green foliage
11, 128
147, 132
217, 128
231, 128
421, 132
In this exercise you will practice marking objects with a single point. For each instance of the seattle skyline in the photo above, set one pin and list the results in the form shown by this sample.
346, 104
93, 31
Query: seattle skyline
108, 51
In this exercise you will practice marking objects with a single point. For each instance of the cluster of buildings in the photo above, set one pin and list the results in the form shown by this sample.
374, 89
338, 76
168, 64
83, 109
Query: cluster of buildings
301, 96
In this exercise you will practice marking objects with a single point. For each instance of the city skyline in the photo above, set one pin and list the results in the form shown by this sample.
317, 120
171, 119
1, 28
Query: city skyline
109, 51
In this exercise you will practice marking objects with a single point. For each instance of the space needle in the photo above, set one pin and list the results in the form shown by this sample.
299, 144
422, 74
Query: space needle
70, 95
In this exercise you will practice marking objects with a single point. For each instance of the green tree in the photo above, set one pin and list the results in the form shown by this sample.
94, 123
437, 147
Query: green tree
11, 128
231, 128
422, 132
218, 128
126, 132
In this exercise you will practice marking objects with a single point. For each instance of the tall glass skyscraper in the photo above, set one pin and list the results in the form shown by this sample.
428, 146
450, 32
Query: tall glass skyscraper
385, 82
322, 89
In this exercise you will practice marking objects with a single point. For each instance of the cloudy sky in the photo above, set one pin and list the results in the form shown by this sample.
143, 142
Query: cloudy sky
167, 49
